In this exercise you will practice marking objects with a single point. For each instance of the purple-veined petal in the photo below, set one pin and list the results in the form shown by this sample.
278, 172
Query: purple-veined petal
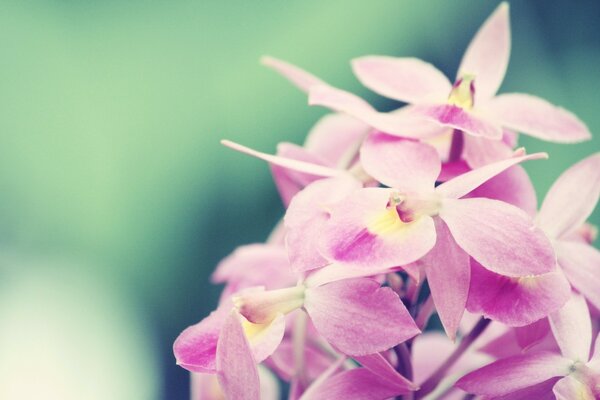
451, 116
513, 186
358, 383
236, 368
569, 388
403, 122
403, 164
581, 264
363, 232
195, 348
516, 301
306, 217
301, 79
536, 117
449, 274
465, 183
479, 151
541, 391
359, 317
572, 328
572, 198
515, 373
336, 138
308, 168
487, 55
406, 79
501, 237
289, 181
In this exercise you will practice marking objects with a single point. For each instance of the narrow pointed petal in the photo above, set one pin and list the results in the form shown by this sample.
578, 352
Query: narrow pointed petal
465, 183
541, 391
405, 79
515, 373
581, 264
362, 232
301, 79
451, 116
358, 383
488, 53
595, 359
449, 274
380, 366
403, 122
513, 186
501, 237
296, 165
337, 138
195, 348
479, 151
337, 272
516, 301
306, 217
572, 328
570, 388
538, 118
406, 165
359, 317
562, 211
236, 367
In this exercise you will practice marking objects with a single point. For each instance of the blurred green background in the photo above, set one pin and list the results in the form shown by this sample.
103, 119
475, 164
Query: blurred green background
117, 200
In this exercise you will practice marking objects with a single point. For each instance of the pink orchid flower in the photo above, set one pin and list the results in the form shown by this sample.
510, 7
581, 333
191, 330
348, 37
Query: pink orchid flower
573, 374
469, 105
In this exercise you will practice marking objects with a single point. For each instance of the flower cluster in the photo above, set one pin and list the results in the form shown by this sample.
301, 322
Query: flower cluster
394, 217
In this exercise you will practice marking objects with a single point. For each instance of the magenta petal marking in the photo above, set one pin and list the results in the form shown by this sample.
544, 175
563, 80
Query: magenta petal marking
301, 79
572, 198
359, 317
449, 274
406, 79
515, 373
537, 117
516, 301
457, 118
406, 165
195, 348
236, 367
487, 55
499, 236
572, 328
541, 391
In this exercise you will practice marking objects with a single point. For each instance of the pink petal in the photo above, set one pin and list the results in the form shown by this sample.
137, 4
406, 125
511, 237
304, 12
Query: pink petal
541, 391
300, 78
337, 272
206, 386
316, 361
479, 151
451, 116
595, 359
449, 274
336, 138
306, 217
236, 367
488, 53
265, 338
465, 183
532, 334
537, 117
295, 165
499, 236
562, 212
570, 388
513, 186
516, 301
359, 317
361, 232
403, 164
515, 373
358, 383
406, 79
403, 122
581, 264
195, 348
572, 328
380, 366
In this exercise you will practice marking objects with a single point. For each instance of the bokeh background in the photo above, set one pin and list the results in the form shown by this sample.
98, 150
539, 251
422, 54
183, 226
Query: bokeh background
116, 199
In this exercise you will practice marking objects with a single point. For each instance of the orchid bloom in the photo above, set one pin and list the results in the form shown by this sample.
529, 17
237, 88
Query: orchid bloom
573, 374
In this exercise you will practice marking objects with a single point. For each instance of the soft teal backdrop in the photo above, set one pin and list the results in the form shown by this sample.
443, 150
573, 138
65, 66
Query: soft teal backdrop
116, 200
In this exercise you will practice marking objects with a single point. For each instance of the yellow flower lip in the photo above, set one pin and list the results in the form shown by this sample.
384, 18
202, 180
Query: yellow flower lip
463, 92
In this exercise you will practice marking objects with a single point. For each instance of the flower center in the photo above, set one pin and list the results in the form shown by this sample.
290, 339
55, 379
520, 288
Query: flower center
463, 92
401, 210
